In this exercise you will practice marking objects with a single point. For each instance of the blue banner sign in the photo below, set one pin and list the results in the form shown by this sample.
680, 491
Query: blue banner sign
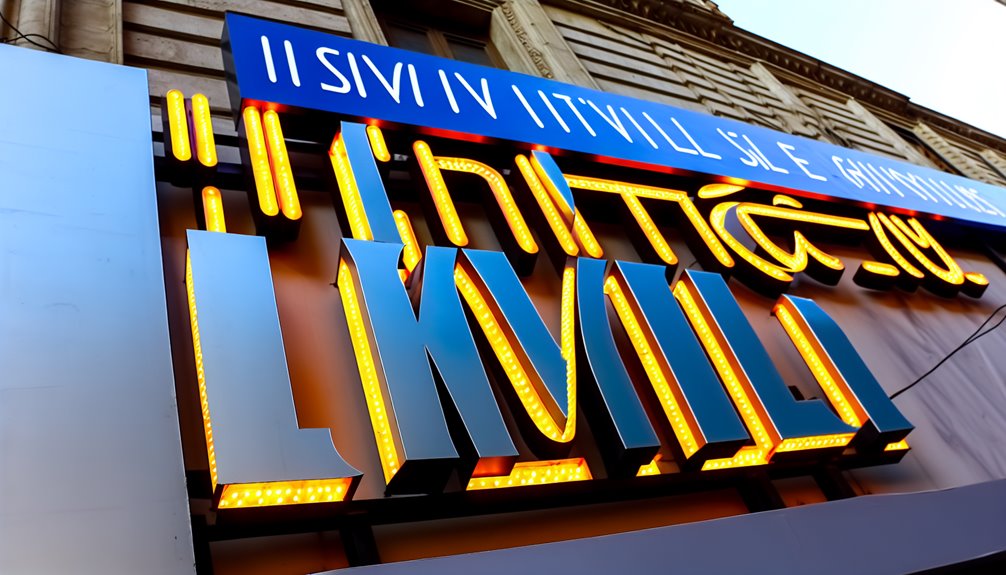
298, 68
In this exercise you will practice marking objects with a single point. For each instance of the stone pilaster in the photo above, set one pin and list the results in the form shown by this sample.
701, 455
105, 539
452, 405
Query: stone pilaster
37, 19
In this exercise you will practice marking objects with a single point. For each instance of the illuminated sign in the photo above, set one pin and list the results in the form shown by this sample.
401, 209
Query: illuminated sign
298, 68
466, 387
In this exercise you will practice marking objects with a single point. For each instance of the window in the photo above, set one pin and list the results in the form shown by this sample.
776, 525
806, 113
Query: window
436, 42
457, 40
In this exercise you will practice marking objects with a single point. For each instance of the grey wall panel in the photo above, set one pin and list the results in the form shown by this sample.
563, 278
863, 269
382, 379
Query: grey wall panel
90, 458
883, 534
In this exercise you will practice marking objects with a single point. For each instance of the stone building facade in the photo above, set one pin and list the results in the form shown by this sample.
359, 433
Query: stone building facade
685, 53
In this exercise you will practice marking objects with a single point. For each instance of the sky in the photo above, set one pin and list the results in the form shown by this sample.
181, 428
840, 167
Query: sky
947, 55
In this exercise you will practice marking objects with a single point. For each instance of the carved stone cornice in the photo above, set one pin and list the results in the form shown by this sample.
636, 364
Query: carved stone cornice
934, 118
486, 5
709, 24
534, 53
664, 11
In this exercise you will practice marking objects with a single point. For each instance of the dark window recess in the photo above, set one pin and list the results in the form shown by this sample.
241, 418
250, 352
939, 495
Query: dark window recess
409, 38
470, 50
464, 47
923, 148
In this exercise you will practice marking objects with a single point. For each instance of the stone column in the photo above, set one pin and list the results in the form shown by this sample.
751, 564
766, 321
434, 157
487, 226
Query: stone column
38, 17
998, 161
363, 22
529, 42
950, 153
92, 29
883, 130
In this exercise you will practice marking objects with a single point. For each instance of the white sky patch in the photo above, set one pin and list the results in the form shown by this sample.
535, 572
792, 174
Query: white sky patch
947, 56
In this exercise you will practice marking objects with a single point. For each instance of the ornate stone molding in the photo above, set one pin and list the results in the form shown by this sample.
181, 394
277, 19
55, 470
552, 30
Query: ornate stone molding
998, 161
363, 22
530, 42
966, 165
484, 5
968, 131
882, 129
534, 53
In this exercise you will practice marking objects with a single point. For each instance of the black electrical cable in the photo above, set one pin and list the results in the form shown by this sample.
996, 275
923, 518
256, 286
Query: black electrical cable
975, 336
27, 37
